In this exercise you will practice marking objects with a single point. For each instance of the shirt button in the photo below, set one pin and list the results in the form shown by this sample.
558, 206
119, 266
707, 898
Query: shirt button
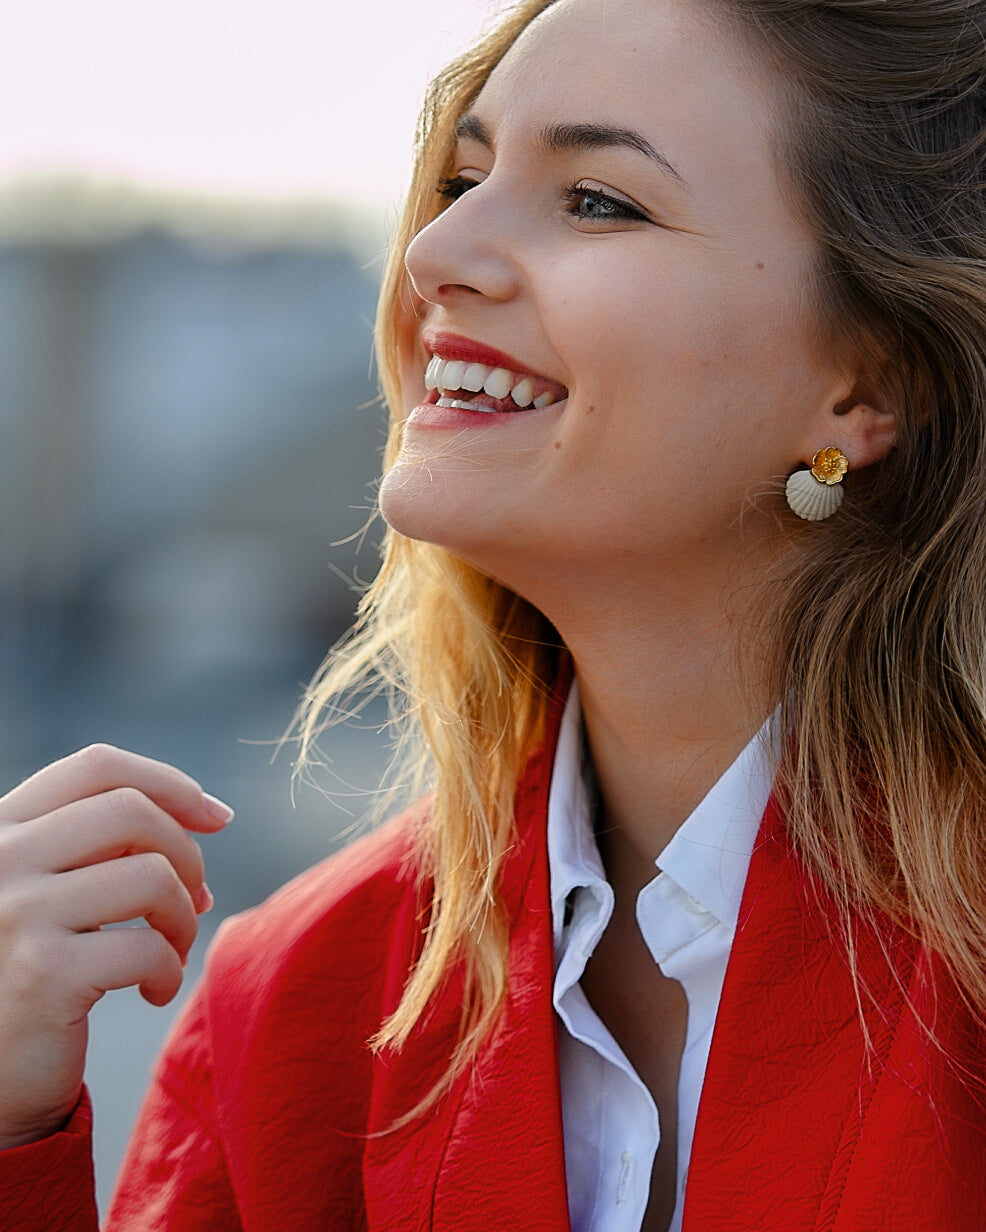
623, 1187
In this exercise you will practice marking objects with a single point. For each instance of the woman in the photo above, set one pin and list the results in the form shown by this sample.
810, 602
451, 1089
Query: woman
708, 743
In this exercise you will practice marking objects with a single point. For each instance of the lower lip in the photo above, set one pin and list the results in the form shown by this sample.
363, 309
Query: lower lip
430, 415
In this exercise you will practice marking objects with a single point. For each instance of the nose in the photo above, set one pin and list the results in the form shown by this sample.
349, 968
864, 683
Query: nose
467, 251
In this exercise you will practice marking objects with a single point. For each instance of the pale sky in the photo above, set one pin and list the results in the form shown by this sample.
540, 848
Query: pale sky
262, 96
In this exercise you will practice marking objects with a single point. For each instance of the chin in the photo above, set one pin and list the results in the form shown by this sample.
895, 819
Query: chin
444, 509
420, 502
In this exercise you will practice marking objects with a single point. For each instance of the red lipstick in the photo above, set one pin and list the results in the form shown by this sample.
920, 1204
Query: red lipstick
453, 346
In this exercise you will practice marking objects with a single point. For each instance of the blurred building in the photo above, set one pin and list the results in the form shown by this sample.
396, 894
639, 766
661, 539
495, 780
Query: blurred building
188, 425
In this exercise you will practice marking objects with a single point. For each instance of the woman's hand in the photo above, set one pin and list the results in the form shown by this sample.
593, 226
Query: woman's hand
95, 839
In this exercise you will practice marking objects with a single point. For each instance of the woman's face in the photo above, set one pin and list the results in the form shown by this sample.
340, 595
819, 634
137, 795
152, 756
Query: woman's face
619, 248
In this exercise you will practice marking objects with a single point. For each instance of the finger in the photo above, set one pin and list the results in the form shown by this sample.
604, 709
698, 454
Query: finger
123, 957
137, 886
101, 768
104, 827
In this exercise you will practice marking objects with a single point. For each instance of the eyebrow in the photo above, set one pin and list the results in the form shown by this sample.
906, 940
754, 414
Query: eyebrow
564, 138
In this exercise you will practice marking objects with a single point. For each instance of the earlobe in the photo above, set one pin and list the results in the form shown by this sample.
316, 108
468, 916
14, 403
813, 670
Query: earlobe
862, 426
858, 432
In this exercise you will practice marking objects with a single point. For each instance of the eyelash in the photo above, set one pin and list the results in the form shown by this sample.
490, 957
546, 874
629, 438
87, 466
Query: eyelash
453, 187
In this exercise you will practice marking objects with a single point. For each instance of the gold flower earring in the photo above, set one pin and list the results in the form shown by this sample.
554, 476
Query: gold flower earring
815, 494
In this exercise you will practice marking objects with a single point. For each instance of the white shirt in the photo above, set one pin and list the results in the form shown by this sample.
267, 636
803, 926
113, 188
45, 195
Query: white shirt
687, 916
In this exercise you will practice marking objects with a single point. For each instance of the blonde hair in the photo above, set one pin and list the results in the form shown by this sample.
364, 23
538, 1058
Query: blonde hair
879, 640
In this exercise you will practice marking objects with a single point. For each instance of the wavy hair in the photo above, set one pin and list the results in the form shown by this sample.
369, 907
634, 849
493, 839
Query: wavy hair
879, 638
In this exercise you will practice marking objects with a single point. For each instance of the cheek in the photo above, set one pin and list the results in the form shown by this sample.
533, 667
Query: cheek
691, 337
642, 336
687, 389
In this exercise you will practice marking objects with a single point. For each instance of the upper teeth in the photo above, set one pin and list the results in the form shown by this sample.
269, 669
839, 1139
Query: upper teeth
452, 374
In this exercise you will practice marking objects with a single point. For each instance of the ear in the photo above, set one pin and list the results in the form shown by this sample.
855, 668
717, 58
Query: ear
860, 423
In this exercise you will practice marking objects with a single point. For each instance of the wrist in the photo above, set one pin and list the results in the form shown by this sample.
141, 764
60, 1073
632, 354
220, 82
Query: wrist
14, 1134
9, 1141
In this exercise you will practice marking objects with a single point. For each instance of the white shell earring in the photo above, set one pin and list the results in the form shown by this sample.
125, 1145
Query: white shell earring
817, 493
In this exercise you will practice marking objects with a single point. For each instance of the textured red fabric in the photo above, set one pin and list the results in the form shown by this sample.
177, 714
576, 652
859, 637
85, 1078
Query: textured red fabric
269, 1111
801, 1125
48, 1185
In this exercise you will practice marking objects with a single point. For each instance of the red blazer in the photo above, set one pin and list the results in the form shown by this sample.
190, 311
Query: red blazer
268, 1111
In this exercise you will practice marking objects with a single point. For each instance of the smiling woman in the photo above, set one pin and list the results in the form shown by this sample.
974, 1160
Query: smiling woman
689, 929
574, 245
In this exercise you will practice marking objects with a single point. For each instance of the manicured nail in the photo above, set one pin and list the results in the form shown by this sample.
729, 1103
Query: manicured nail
206, 901
217, 810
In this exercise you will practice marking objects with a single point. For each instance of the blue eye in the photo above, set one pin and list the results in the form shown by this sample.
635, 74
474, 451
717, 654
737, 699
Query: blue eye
593, 205
585, 203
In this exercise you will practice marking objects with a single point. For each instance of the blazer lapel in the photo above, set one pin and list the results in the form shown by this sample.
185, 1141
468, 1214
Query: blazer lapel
505, 1169
490, 1155
789, 1077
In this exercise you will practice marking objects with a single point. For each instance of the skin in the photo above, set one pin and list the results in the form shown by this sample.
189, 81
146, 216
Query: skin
98, 838
640, 514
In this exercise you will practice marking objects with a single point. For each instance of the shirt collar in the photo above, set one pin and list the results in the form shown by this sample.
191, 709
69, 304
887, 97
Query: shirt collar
708, 856
573, 857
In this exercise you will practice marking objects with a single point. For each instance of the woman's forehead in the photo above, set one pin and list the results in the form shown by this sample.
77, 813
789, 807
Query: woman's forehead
668, 70
665, 64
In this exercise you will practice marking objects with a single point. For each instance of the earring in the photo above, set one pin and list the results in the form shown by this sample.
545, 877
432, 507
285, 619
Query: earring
814, 494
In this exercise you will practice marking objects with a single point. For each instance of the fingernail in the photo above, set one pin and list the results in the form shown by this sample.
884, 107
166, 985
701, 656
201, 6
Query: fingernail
217, 810
206, 901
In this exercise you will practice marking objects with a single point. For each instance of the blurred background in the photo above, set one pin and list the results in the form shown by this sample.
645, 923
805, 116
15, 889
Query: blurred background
194, 205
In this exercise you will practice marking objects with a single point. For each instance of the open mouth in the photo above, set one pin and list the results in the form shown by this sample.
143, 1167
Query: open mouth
457, 384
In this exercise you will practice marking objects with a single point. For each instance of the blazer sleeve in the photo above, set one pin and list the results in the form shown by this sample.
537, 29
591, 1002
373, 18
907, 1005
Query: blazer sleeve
174, 1174
50, 1184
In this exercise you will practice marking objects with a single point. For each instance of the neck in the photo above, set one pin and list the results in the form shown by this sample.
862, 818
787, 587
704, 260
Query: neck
668, 706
